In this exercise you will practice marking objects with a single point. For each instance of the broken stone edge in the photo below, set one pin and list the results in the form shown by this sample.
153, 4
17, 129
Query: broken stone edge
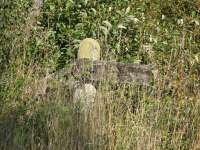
85, 70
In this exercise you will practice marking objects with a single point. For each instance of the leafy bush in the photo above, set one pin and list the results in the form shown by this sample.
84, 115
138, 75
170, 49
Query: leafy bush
164, 115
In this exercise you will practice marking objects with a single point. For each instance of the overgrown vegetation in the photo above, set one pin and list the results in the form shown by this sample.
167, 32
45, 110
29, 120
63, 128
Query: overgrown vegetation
164, 115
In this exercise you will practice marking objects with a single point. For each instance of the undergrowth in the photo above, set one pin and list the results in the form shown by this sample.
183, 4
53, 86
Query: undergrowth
163, 115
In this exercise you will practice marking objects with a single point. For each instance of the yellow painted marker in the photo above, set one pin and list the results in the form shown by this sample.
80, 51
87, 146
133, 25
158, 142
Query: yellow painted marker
90, 49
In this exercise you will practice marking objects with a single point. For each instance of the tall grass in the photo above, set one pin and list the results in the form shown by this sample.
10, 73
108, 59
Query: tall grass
36, 106
161, 116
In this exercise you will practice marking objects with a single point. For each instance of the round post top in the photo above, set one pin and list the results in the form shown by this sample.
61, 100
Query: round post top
90, 49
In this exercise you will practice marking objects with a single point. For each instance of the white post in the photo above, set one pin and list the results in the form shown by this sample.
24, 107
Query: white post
85, 94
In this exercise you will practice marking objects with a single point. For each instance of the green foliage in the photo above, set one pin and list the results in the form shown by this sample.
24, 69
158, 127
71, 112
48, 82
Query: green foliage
164, 115
32, 124
12, 16
123, 27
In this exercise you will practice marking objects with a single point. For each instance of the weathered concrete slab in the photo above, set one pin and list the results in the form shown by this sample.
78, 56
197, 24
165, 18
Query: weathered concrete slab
88, 70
